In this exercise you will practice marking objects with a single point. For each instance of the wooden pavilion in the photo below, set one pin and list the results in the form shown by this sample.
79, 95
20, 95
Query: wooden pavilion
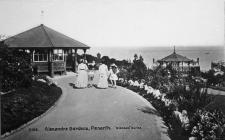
48, 49
180, 63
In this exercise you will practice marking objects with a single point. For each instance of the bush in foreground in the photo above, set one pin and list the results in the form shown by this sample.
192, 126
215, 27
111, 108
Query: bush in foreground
24, 104
15, 68
205, 119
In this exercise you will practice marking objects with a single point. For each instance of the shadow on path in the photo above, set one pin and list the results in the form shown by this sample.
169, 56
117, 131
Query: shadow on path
89, 86
72, 85
148, 110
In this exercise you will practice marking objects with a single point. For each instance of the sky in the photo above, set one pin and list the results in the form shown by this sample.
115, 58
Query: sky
121, 23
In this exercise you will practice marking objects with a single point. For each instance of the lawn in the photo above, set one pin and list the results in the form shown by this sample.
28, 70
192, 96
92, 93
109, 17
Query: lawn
24, 104
217, 88
218, 102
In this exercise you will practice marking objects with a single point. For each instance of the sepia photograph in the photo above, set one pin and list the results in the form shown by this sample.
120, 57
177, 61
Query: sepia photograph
112, 69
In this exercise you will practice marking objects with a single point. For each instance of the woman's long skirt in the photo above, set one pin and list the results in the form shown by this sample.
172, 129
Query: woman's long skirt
82, 79
103, 81
96, 78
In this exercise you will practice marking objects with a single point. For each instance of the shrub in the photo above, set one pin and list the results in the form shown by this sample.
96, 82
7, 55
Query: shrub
24, 104
16, 69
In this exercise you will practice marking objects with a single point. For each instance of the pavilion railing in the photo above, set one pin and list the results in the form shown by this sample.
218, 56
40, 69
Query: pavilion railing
58, 66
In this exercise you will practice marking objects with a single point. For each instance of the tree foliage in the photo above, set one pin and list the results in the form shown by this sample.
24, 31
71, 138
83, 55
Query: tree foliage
213, 79
16, 70
138, 68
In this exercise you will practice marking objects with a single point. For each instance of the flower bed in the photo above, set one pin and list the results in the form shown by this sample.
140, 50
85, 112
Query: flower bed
203, 121
25, 104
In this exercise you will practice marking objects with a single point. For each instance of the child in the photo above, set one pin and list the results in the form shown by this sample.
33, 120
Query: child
113, 75
91, 77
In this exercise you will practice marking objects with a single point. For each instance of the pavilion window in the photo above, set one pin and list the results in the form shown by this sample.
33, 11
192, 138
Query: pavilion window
40, 56
58, 55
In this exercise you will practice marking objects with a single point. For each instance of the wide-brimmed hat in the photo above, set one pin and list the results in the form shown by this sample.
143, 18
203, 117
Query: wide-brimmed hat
113, 65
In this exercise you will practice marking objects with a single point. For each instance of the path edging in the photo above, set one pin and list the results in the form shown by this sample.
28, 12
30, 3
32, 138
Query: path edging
159, 121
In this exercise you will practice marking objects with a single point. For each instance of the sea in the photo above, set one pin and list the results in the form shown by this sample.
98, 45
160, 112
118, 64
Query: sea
206, 54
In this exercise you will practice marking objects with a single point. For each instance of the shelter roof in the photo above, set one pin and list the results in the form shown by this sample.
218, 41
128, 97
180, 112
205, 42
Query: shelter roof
174, 57
43, 37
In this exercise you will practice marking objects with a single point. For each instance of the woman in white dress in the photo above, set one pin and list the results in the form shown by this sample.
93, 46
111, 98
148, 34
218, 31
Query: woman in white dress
82, 78
113, 75
96, 75
103, 76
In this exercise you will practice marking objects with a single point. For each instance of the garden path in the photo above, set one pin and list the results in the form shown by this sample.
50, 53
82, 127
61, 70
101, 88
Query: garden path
91, 107
215, 92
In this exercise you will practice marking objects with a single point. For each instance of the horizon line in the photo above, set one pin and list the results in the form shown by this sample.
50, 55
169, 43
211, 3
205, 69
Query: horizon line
148, 46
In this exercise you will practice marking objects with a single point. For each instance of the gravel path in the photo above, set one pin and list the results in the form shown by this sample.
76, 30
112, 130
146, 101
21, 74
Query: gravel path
215, 92
95, 114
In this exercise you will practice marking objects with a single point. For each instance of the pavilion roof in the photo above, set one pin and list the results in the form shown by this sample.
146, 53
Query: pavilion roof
174, 57
43, 37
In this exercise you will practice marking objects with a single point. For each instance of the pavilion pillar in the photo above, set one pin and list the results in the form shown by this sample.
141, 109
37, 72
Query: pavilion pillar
50, 61
31, 56
189, 67
85, 54
31, 59
65, 52
182, 66
75, 60
178, 66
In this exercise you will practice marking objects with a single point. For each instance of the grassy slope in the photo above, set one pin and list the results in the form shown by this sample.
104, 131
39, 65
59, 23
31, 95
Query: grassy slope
25, 104
217, 103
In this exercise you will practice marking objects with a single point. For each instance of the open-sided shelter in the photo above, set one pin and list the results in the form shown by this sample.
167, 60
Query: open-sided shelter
180, 63
48, 48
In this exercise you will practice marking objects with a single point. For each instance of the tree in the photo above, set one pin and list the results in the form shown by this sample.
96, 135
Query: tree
98, 56
2, 37
211, 78
138, 69
107, 60
135, 57
141, 58
159, 77
90, 58
15, 68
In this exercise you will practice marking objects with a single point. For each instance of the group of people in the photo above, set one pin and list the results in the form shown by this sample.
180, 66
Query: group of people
98, 77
